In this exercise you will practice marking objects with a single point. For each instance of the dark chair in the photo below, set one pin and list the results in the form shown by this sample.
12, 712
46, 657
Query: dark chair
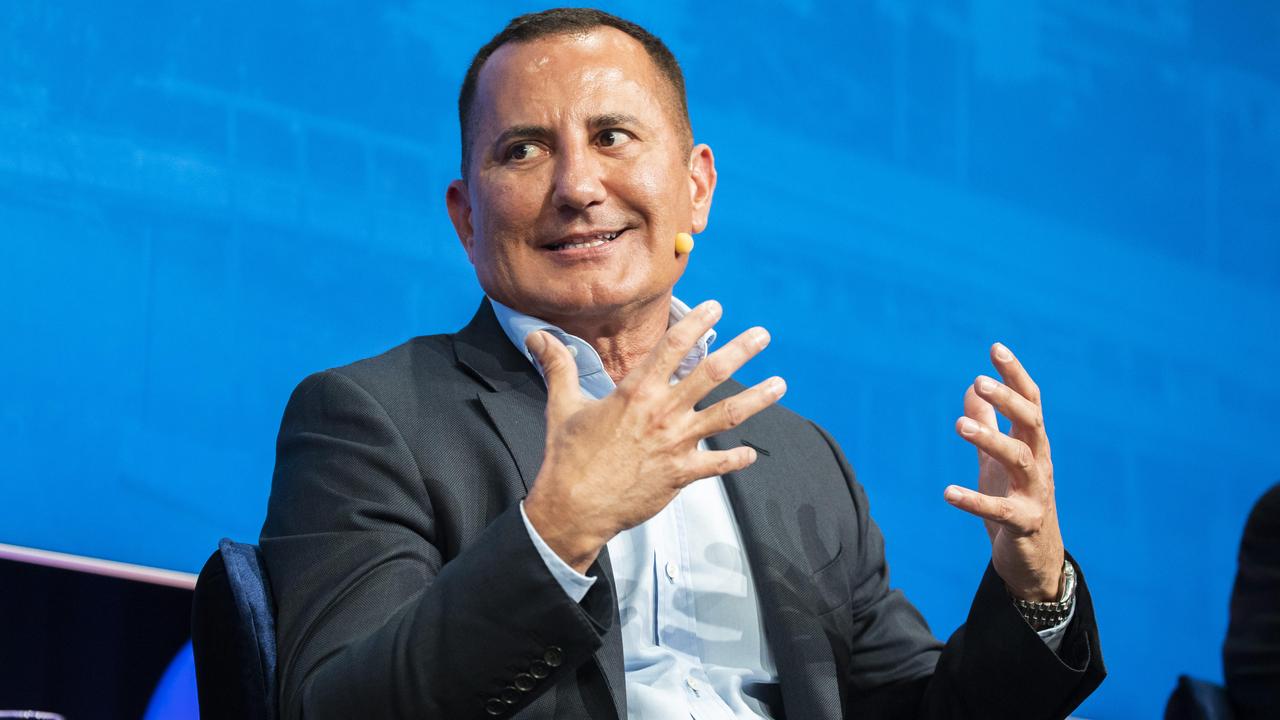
233, 635
1194, 699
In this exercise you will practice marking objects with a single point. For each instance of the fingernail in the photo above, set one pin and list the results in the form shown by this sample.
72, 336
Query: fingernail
968, 427
712, 308
777, 387
952, 494
535, 342
751, 455
1002, 353
986, 385
761, 338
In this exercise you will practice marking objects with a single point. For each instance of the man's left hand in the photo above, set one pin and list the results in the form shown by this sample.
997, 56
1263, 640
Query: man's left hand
1015, 479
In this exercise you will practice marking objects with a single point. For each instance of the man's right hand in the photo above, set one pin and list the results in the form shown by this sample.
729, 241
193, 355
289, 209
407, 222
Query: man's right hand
611, 464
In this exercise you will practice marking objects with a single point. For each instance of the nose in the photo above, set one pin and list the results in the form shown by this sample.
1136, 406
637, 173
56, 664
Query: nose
578, 181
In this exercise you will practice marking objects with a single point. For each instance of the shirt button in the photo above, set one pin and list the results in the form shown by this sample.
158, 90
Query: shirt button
573, 350
693, 685
671, 570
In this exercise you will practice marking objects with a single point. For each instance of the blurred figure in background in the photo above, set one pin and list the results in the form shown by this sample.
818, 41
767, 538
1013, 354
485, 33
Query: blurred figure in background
1251, 653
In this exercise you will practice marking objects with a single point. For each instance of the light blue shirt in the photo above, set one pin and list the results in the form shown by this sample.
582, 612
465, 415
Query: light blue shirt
693, 637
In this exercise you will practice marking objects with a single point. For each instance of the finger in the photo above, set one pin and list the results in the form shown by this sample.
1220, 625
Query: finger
1014, 375
981, 411
560, 370
1026, 416
1013, 454
733, 411
679, 339
710, 463
721, 365
1002, 510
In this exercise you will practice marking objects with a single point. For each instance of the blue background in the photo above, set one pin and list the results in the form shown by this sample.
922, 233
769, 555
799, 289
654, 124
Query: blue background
202, 203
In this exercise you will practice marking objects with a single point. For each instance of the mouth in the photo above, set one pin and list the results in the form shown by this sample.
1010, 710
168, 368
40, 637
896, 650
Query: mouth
584, 241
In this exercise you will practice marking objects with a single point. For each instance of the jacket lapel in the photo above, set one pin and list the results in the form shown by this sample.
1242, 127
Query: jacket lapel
761, 505
518, 416
515, 401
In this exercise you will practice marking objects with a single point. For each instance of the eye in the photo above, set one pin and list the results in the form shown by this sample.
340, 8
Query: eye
614, 138
523, 151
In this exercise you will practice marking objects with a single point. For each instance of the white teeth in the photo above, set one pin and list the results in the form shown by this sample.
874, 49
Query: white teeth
601, 239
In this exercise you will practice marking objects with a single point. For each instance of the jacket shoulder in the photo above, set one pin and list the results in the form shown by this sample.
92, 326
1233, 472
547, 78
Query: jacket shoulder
424, 359
399, 379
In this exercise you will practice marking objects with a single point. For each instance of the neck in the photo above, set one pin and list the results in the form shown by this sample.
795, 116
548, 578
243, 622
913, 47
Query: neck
622, 339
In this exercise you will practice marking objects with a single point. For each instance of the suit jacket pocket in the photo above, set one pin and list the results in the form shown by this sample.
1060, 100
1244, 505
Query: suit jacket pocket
829, 584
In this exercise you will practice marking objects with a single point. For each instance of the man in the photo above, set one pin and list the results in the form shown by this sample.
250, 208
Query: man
568, 510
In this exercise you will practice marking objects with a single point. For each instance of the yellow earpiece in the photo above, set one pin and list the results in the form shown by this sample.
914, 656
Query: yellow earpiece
684, 243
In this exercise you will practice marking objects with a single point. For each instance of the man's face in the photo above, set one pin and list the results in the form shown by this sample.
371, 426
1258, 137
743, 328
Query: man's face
579, 179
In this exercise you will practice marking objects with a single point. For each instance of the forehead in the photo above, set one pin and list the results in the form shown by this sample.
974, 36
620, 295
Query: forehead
547, 79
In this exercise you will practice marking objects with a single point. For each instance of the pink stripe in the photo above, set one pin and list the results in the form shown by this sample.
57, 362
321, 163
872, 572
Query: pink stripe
110, 568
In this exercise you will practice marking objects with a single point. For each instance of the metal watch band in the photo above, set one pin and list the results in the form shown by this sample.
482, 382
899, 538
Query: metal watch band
1042, 615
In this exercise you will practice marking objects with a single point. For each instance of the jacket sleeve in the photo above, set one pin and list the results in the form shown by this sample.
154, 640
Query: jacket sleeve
371, 620
993, 666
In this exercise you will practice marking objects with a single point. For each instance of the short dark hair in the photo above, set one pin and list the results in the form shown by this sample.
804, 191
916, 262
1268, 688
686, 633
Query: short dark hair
569, 21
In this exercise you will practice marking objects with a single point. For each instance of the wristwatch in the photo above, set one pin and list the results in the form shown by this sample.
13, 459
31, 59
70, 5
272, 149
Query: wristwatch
1044, 615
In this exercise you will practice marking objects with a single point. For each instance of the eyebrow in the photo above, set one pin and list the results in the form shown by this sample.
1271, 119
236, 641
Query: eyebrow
543, 133
599, 122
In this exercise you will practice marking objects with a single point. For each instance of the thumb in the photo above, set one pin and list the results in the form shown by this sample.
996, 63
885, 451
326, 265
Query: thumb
558, 368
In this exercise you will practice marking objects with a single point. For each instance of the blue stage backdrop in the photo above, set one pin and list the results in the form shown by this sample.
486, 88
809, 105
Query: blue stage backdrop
202, 203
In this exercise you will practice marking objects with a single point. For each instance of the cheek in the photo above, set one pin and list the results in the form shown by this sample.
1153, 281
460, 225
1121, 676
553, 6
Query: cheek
510, 199
492, 212
656, 181
663, 194
501, 222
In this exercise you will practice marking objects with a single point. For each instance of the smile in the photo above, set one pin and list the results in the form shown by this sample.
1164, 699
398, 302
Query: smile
585, 242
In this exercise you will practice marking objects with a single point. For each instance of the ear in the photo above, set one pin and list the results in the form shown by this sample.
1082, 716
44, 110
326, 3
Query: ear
458, 201
702, 185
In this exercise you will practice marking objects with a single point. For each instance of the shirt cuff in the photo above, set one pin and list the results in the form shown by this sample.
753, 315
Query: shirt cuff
1051, 636
574, 583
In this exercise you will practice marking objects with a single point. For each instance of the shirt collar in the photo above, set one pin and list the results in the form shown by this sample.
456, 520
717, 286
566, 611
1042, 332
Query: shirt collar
699, 350
519, 326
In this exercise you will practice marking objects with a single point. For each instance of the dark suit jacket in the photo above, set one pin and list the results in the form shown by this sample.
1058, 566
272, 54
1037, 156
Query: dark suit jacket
407, 586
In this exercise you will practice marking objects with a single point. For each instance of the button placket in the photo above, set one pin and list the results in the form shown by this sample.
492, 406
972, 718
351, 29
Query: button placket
695, 686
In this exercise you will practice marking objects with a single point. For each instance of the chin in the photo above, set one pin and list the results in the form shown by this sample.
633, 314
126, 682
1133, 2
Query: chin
585, 300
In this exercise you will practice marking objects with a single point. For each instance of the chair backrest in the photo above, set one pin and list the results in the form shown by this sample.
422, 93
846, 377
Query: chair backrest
233, 635
1195, 699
